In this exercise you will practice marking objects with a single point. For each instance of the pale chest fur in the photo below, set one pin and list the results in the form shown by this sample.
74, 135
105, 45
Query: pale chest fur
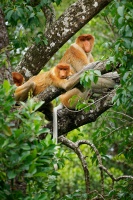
77, 58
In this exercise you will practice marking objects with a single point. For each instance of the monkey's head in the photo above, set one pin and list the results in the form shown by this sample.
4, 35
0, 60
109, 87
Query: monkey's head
18, 78
86, 42
62, 70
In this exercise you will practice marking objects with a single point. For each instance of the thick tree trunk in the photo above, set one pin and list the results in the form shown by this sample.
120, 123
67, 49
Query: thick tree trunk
3, 32
72, 20
5, 71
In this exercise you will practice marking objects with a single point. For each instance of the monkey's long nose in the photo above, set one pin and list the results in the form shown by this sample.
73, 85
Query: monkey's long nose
63, 76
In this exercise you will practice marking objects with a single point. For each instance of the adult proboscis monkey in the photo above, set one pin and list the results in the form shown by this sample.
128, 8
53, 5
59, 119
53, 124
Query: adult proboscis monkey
78, 55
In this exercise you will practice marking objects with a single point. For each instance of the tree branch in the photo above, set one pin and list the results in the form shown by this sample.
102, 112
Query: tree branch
70, 119
52, 92
75, 148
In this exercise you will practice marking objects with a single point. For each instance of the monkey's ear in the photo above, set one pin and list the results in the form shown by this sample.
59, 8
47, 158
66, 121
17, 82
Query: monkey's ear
18, 78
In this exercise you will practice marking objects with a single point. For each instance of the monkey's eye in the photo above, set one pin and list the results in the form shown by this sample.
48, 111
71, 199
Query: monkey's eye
83, 39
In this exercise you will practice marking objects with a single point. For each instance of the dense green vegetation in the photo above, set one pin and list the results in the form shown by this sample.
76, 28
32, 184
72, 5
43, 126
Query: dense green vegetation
28, 161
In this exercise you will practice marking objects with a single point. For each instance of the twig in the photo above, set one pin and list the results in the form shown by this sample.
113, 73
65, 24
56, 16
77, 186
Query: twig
122, 114
116, 130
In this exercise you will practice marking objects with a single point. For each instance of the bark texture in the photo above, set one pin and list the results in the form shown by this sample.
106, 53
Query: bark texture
5, 72
69, 119
3, 32
72, 20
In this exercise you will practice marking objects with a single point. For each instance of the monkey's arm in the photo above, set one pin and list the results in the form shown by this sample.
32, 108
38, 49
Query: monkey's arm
91, 59
74, 79
105, 81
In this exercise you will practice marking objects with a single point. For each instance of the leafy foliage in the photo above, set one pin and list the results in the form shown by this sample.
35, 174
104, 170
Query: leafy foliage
24, 159
122, 53
88, 77
25, 21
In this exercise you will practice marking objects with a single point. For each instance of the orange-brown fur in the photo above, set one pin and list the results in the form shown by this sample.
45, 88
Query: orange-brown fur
56, 76
78, 56
18, 78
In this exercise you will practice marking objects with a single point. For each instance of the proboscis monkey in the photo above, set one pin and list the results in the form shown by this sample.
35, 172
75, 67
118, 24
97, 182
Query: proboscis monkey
78, 56
56, 76
79, 53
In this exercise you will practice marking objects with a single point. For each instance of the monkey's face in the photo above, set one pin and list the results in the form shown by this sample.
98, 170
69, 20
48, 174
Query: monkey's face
63, 73
62, 70
86, 42
86, 46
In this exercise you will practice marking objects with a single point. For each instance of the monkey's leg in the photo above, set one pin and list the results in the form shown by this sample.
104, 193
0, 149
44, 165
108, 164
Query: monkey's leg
76, 94
21, 92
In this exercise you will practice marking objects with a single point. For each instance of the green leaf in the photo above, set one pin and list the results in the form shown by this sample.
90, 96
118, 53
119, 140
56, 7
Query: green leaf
25, 154
58, 2
30, 8
120, 20
15, 15
91, 77
120, 10
6, 142
12, 145
130, 88
11, 174
41, 174
25, 146
32, 15
38, 105
9, 15
7, 130
32, 169
125, 76
97, 72
95, 79
6, 86
20, 12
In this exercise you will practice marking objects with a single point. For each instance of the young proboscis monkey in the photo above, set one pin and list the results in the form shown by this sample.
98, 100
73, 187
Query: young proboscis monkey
78, 56
56, 76
35, 85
